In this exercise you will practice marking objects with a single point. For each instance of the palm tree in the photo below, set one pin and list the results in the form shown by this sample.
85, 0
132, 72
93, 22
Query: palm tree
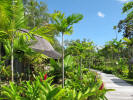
11, 19
64, 25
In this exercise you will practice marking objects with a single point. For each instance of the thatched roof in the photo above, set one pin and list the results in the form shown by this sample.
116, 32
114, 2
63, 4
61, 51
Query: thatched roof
43, 46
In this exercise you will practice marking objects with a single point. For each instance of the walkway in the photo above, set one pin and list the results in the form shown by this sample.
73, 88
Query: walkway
123, 90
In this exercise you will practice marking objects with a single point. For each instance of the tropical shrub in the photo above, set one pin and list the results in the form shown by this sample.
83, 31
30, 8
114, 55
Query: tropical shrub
36, 90
89, 86
42, 89
5, 73
56, 67
121, 66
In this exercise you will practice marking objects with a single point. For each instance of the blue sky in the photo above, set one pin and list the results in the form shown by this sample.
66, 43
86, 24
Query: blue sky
99, 17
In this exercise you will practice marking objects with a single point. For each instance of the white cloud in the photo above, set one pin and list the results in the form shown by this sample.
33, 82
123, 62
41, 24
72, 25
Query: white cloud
123, 1
100, 14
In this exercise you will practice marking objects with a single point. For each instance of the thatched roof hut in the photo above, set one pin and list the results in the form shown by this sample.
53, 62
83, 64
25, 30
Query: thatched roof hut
43, 46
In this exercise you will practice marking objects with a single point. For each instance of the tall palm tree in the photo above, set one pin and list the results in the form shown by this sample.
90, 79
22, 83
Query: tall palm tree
11, 19
64, 25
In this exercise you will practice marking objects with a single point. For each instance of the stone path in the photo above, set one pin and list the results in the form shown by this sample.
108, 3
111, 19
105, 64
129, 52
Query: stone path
123, 90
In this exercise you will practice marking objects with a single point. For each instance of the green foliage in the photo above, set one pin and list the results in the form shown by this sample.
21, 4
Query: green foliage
68, 61
128, 42
126, 25
5, 72
87, 87
43, 90
38, 61
105, 69
47, 32
113, 57
63, 23
35, 13
21, 43
11, 92
80, 49
128, 7
121, 68
36, 90
56, 67
12, 15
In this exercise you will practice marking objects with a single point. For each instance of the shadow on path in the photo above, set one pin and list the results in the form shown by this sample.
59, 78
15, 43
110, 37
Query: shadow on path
120, 82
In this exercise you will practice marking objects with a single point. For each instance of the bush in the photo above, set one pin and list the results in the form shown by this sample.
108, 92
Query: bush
42, 89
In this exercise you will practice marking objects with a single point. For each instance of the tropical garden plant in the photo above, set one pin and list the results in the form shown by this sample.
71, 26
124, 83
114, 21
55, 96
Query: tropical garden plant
13, 19
64, 25
42, 89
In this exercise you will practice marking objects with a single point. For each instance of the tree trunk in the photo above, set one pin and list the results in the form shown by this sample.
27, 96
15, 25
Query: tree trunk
62, 60
116, 34
34, 22
12, 60
0, 51
0, 57
29, 71
80, 68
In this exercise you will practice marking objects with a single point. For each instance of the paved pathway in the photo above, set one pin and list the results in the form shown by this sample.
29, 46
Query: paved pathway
123, 90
